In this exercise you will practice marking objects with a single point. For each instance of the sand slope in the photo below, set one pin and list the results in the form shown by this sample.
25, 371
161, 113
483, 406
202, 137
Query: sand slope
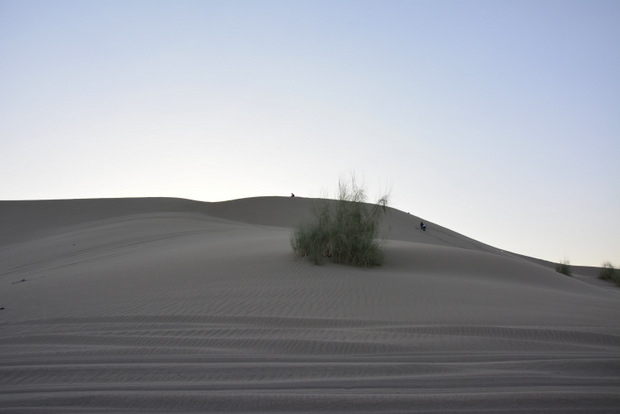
168, 305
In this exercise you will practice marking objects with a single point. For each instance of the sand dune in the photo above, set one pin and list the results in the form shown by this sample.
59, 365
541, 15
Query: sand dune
170, 305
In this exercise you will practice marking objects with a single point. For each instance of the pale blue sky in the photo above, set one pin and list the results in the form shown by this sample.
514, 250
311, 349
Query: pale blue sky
497, 119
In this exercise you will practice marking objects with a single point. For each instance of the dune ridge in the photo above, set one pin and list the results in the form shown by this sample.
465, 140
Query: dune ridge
165, 305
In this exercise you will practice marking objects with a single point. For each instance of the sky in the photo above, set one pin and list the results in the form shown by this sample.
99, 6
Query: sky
497, 119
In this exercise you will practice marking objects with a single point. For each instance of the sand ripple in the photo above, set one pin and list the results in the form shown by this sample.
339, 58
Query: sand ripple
181, 311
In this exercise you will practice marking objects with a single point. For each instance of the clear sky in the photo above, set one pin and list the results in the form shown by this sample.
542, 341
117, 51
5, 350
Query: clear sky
497, 119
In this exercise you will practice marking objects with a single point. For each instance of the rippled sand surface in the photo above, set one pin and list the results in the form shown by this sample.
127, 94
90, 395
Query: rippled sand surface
165, 305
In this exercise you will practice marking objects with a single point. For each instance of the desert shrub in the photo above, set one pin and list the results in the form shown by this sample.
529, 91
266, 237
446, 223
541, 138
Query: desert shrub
563, 267
345, 230
311, 239
608, 272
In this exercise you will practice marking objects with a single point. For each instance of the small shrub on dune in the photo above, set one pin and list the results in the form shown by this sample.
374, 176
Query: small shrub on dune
346, 231
608, 272
563, 267
312, 239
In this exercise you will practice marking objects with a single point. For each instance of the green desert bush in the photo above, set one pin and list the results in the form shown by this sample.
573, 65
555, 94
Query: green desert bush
608, 272
563, 267
345, 230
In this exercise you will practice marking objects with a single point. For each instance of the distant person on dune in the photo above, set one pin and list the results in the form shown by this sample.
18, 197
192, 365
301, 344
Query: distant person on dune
423, 226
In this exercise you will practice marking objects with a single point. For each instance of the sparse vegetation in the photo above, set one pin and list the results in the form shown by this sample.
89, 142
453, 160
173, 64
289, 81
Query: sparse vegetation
563, 267
345, 230
608, 272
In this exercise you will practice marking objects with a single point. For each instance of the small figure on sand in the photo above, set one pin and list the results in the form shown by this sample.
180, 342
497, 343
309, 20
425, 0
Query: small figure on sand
423, 226
292, 195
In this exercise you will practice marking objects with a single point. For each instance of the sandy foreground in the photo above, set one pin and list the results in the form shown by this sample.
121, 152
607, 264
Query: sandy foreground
170, 305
